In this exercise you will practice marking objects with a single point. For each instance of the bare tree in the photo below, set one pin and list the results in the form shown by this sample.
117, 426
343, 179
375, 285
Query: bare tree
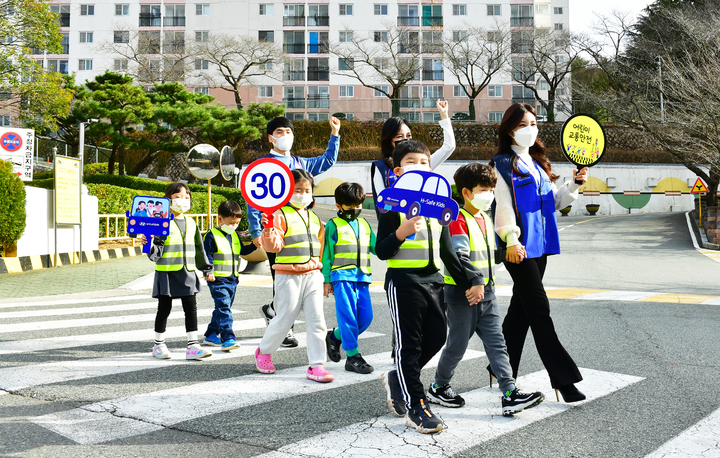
543, 60
148, 56
231, 61
384, 60
474, 55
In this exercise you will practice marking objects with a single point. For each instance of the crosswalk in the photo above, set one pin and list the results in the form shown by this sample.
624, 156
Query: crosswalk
123, 394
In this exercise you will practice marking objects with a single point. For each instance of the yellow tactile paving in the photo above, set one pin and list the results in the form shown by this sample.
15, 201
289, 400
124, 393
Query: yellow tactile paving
569, 293
678, 298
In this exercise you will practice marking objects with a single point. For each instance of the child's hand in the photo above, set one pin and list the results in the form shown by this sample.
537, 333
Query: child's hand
328, 289
144, 239
210, 278
264, 220
334, 126
409, 227
515, 254
475, 294
442, 107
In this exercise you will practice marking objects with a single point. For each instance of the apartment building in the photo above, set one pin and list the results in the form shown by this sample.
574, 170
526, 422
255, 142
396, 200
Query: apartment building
313, 82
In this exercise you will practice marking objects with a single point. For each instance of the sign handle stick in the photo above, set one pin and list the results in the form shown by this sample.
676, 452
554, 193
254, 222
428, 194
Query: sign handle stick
580, 182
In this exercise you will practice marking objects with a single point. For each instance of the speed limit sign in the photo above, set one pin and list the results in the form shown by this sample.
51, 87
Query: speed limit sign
267, 184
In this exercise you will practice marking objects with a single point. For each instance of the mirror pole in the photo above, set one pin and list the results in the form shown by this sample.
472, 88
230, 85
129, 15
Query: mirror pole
209, 215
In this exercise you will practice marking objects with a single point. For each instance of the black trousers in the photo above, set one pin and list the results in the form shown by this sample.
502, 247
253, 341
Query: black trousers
530, 308
418, 315
189, 305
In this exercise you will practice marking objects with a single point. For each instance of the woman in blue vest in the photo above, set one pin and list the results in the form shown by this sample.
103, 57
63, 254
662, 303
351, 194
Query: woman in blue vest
396, 129
526, 200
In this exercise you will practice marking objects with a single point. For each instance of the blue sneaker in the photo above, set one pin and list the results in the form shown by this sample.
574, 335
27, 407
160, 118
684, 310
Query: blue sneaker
212, 340
230, 344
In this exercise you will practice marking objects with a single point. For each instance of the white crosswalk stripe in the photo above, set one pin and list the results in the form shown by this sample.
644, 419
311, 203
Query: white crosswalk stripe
698, 441
47, 303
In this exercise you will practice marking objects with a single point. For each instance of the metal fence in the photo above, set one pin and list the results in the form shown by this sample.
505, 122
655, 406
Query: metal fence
44, 151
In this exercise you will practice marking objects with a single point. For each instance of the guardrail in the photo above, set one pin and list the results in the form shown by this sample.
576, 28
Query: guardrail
114, 227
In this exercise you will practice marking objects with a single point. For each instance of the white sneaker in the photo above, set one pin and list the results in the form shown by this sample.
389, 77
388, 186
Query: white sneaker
160, 351
195, 351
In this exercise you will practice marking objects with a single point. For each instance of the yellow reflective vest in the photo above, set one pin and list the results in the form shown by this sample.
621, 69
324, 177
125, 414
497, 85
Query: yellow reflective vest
482, 247
301, 238
178, 250
226, 261
352, 251
415, 254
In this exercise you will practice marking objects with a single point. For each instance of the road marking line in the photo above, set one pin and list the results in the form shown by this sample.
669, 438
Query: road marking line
700, 440
678, 298
79, 310
479, 421
72, 301
713, 301
85, 322
615, 296
85, 340
569, 293
20, 377
148, 412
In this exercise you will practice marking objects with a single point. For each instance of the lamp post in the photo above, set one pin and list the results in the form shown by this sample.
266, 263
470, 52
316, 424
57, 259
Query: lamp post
662, 103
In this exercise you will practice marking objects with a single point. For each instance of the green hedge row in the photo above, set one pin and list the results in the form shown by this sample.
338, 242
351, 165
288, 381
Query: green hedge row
12, 206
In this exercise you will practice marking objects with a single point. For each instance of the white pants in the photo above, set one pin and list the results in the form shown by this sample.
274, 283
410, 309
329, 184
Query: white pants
292, 294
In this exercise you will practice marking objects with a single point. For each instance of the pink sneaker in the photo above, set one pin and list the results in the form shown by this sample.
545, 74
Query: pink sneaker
264, 362
319, 374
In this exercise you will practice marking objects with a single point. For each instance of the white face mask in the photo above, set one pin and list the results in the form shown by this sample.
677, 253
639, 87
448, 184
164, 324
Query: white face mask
483, 200
526, 136
229, 229
180, 205
284, 143
416, 168
301, 200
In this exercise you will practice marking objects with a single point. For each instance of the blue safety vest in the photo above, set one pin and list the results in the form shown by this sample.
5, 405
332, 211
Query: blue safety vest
534, 207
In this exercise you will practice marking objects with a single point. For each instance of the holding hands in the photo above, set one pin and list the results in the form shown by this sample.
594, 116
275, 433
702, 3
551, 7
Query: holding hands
515, 254
475, 294
328, 289
442, 107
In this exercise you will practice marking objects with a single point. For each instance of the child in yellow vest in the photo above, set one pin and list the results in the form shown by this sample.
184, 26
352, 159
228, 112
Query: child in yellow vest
177, 260
297, 238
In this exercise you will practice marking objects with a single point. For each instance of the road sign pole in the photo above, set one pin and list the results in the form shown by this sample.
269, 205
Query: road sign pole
209, 216
700, 208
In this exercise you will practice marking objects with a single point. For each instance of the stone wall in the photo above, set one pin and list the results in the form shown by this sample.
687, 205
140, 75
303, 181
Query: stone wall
711, 216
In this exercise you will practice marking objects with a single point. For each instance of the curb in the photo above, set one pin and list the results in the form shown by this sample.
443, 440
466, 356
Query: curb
27, 263
703, 237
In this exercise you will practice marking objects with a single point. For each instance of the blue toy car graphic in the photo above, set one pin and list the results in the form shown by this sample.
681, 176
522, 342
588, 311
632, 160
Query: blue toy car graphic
420, 193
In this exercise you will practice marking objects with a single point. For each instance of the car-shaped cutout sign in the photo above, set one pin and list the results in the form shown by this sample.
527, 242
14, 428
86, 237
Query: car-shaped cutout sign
420, 193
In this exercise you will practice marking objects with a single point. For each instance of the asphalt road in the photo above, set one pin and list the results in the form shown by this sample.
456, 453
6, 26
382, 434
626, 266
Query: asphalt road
651, 367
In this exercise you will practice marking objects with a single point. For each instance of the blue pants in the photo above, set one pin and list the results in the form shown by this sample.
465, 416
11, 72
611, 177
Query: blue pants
222, 320
353, 309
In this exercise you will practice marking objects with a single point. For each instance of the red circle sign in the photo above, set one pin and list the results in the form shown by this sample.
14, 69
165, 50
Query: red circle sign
11, 142
267, 184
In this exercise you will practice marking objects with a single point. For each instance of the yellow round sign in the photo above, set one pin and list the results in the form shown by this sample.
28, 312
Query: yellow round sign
583, 140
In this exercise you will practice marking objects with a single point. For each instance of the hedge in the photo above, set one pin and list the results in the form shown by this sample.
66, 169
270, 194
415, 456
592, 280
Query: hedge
12, 205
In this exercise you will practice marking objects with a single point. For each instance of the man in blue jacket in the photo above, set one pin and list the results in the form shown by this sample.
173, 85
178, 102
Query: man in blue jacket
280, 133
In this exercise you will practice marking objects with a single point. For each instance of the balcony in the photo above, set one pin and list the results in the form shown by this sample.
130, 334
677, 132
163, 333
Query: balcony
409, 103
292, 102
294, 75
318, 74
530, 102
64, 19
318, 101
408, 21
294, 48
37, 51
432, 21
522, 22
294, 21
318, 48
150, 20
174, 21
409, 48
65, 48
318, 21
433, 75
432, 48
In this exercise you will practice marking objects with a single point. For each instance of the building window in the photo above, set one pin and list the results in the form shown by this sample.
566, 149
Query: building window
381, 36
5, 120
86, 37
346, 10
85, 64
558, 26
202, 90
459, 10
265, 91
430, 94
379, 115
295, 116
294, 97
318, 116
202, 36
458, 91
202, 10
65, 43
347, 91
432, 15
345, 64
122, 10
380, 10
60, 66
521, 16
174, 43
431, 117
495, 91
201, 64
459, 35
412, 116
266, 9
174, 16
377, 93
266, 36
346, 37
543, 85
120, 65
121, 37
494, 10
87, 10
542, 9
557, 10
318, 97
318, 16
495, 116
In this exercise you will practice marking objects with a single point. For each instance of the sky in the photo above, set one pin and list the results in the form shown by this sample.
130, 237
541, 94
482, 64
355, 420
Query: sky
581, 11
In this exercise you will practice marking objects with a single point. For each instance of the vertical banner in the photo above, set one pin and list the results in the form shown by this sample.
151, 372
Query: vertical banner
17, 146
67, 190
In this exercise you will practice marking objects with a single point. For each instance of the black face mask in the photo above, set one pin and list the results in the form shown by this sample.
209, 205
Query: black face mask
397, 142
349, 215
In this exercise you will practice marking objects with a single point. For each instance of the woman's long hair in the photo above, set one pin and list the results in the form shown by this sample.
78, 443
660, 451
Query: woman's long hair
511, 119
389, 130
